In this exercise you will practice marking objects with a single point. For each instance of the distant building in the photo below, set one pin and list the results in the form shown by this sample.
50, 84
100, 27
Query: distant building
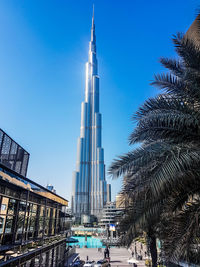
51, 188
88, 219
109, 214
122, 202
33, 226
108, 192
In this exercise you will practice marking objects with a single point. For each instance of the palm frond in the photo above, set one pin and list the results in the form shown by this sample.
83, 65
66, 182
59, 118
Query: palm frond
166, 103
175, 66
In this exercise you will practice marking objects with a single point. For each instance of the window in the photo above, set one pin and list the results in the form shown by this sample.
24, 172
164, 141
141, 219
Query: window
32, 224
20, 222
22, 206
2, 222
9, 222
11, 206
34, 209
3, 207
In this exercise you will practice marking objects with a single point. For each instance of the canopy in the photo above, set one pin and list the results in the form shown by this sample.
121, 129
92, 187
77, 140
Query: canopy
71, 240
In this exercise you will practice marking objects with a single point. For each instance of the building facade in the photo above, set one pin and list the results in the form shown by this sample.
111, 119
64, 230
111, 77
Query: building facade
33, 222
110, 214
108, 193
89, 192
13, 155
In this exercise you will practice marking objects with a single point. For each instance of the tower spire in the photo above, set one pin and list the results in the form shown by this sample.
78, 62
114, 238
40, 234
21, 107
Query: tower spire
93, 39
93, 17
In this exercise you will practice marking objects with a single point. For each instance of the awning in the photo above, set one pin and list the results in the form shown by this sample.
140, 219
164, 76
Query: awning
71, 240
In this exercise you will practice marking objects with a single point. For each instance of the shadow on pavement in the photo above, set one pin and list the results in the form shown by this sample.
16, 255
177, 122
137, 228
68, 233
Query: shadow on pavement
71, 259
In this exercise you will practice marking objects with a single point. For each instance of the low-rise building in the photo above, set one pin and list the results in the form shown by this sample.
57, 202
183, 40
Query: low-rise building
33, 221
109, 214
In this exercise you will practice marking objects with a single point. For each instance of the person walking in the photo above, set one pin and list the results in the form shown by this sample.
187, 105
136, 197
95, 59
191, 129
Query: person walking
106, 252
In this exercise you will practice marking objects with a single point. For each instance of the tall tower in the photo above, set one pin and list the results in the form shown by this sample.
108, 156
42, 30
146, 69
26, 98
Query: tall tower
89, 192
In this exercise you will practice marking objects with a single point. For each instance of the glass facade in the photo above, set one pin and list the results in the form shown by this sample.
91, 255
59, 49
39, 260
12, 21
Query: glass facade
13, 155
31, 214
30, 219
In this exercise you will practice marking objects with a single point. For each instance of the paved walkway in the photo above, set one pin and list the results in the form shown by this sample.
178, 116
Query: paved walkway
118, 256
71, 259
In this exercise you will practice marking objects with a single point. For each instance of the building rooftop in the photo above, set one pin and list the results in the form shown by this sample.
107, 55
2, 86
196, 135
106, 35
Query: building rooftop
18, 180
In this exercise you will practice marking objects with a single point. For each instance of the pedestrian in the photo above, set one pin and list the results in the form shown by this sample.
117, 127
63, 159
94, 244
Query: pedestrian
106, 252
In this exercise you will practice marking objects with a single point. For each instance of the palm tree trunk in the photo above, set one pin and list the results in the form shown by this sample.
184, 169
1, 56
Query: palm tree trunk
153, 247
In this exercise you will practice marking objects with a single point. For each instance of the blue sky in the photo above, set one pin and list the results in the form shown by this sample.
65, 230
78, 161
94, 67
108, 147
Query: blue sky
43, 50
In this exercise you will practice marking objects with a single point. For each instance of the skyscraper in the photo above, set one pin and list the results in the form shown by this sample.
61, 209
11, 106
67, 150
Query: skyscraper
89, 192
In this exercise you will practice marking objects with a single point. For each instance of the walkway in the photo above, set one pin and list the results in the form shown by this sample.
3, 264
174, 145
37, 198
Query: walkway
118, 256
71, 259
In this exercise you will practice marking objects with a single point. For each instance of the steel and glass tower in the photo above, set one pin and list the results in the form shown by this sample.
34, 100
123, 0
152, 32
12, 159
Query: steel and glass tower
89, 193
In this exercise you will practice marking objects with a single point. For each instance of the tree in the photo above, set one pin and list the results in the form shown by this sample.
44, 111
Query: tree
162, 176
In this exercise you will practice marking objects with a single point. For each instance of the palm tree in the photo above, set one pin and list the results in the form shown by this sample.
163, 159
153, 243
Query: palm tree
180, 231
162, 176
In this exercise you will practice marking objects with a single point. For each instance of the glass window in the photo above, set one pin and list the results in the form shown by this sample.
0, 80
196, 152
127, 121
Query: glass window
22, 206
2, 223
8, 191
37, 261
2, 188
4, 205
30, 263
41, 222
34, 209
9, 222
47, 259
26, 223
48, 212
43, 258
41, 226
54, 213
32, 224
27, 208
30, 207
20, 222
11, 206
46, 226
50, 255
